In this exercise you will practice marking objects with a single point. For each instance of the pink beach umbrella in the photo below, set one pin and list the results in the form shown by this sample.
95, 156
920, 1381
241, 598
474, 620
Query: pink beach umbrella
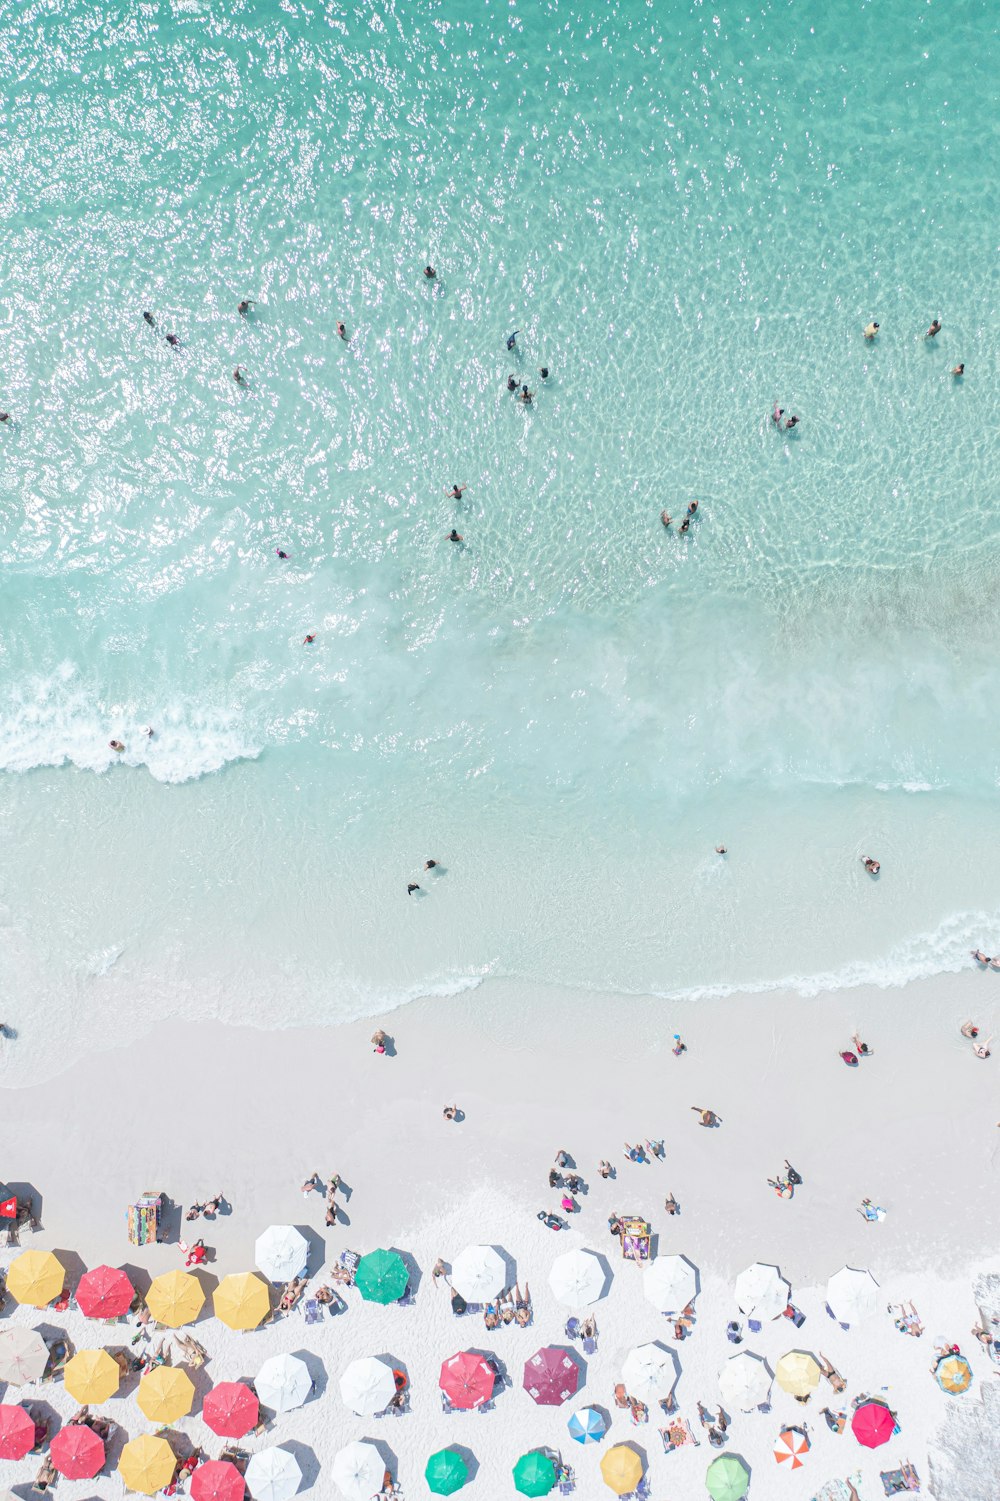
872, 1424
104, 1293
551, 1377
466, 1380
17, 1431
230, 1409
77, 1452
217, 1480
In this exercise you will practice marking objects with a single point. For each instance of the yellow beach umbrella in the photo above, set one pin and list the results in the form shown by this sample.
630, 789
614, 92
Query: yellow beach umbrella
91, 1376
147, 1464
797, 1373
622, 1469
36, 1277
175, 1298
166, 1394
242, 1300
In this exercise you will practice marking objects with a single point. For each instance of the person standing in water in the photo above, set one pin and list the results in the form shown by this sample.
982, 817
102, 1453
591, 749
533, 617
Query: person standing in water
934, 329
871, 330
512, 339
456, 491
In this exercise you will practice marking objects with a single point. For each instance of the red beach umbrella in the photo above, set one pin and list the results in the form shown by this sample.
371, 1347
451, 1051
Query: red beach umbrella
466, 1380
872, 1424
77, 1452
104, 1293
17, 1431
551, 1376
230, 1409
217, 1480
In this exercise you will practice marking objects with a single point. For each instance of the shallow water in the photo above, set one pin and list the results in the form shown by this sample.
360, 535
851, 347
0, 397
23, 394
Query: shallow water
688, 215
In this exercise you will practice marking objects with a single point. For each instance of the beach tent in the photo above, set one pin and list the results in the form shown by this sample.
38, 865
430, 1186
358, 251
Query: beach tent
358, 1471
745, 1381
478, 1274
230, 1409
577, 1278
852, 1295
23, 1356
727, 1478
467, 1380
367, 1386
669, 1283
283, 1382
762, 1292
588, 1426
91, 1376
872, 1424
36, 1277
165, 1394
77, 1452
17, 1431
649, 1372
445, 1472
621, 1469
534, 1474
175, 1298
281, 1253
953, 1374
792, 1444
273, 1475
104, 1293
242, 1300
797, 1373
147, 1464
217, 1480
551, 1377
381, 1277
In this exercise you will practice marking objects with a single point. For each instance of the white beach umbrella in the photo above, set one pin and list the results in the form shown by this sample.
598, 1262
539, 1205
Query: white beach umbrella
23, 1355
669, 1283
577, 1278
281, 1253
744, 1381
649, 1372
852, 1294
283, 1382
478, 1274
358, 1472
762, 1292
273, 1475
367, 1386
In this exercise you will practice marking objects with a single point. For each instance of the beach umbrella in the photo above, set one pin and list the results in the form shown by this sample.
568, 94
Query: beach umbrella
649, 1372
762, 1292
358, 1471
175, 1298
17, 1431
242, 1300
367, 1386
669, 1283
445, 1472
621, 1468
165, 1394
230, 1409
92, 1376
534, 1474
727, 1478
217, 1480
550, 1376
872, 1424
792, 1444
147, 1464
852, 1295
281, 1253
587, 1426
36, 1277
104, 1293
577, 1278
745, 1381
77, 1452
23, 1356
283, 1382
479, 1274
797, 1373
953, 1374
273, 1475
467, 1380
381, 1277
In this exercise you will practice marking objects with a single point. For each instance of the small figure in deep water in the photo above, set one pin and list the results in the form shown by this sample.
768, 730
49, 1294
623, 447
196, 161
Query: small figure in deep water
148, 318
512, 338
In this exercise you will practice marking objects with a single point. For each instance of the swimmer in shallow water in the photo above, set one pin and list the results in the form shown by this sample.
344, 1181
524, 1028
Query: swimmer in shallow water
934, 329
430, 273
958, 370
244, 307
148, 318
871, 330
456, 492
453, 536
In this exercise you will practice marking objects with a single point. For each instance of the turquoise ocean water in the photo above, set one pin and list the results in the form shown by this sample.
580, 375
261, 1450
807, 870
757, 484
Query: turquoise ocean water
688, 213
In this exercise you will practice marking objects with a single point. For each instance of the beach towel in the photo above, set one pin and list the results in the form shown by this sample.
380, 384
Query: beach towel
312, 1311
837, 1490
896, 1482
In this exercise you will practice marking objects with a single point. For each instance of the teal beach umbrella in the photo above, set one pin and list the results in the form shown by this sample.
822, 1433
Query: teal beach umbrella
445, 1472
381, 1277
534, 1474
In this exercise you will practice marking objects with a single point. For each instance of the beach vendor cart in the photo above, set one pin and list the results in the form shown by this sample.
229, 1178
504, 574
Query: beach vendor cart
144, 1219
635, 1238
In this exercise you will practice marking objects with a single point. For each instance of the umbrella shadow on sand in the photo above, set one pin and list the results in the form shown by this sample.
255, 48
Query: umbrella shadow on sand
73, 1264
415, 1274
467, 1457
306, 1459
316, 1252
389, 1458
509, 1265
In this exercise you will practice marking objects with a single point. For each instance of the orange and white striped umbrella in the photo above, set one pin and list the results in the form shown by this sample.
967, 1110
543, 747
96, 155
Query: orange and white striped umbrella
791, 1445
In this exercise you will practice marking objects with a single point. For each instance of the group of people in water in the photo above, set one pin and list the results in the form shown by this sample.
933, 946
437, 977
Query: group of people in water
871, 331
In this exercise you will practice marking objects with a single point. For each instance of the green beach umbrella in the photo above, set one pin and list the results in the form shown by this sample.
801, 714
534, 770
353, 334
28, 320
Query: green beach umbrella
381, 1277
534, 1474
727, 1478
445, 1472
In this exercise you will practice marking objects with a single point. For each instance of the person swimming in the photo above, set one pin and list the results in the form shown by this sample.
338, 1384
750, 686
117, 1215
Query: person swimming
453, 536
430, 273
511, 383
664, 518
791, 422
958, 370
692, 508
280, 553
871, 330
117, 745
342, 330
308, 640
244, 307
173, 341
685, 525
777, 414
544, 372
512, 338
456, 492
238, 376
148, 318
934, 329
526, 396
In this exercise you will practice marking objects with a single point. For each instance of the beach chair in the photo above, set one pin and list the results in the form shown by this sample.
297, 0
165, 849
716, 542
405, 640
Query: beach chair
312, 1311
589, 1345
572, 1328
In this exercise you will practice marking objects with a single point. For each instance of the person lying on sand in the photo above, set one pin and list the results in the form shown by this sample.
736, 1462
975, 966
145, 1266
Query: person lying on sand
835, 1421
708, 1117
833, 1376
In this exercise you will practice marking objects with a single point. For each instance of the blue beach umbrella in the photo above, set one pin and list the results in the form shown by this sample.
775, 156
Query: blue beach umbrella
587, 1426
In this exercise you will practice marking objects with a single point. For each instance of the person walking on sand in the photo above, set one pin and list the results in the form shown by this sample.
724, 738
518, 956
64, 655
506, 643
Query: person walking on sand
678, 1047
312, 1184
708, 1117
782, 1188
861, 1048
671, 1205
378, 1041
793, 1177
439, 1270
